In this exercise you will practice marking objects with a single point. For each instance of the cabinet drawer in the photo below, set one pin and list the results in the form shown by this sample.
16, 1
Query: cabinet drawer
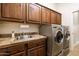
36, 43
19, 54
16, 49
4, 52
37, 51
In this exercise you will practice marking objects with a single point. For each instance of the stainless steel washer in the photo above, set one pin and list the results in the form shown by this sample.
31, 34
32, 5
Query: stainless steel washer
57, 33
55, 38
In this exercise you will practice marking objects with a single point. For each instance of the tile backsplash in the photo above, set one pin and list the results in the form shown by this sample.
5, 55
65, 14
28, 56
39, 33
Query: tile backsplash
8, 27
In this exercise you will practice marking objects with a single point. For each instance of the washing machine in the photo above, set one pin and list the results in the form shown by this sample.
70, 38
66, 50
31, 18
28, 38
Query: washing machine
54, 33
66, 41
58, 37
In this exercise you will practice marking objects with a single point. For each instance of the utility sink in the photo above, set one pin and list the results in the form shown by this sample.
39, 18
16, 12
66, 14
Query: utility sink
24, 37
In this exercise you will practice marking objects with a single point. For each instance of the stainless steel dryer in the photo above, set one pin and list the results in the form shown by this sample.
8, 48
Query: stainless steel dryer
55, 38
66, 40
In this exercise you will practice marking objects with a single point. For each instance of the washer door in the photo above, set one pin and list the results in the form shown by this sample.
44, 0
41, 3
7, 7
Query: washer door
58, 43
59, 37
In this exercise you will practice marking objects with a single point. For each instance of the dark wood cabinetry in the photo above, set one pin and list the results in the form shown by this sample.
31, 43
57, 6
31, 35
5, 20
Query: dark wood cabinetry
45, 16
37, 48
13, 50
13, 11
20, 54
36, 43
58, 19
37, 51
31, 48
16, 49
29, 12
53, 17
0, 10
4, 52
33, 13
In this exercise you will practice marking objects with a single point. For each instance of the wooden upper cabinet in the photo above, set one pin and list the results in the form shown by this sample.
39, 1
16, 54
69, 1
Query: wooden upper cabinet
58, 18
34, 13
13, 11
0, 9
45, 16
30, 12
53, 17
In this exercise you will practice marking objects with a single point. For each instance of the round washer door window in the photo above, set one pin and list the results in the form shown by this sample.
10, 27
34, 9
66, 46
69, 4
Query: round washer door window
58, 37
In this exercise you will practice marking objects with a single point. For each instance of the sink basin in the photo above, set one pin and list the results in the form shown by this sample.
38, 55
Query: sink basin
24, 37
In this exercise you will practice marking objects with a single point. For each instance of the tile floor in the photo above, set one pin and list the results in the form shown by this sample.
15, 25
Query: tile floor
75, 51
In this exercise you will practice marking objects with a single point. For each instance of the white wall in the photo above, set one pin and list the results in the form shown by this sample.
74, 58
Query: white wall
67, 17
49, 5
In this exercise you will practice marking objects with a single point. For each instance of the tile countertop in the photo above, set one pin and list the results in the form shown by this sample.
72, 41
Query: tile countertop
4, 42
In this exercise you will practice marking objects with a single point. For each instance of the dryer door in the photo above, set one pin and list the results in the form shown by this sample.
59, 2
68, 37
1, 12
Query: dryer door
58, 43
66, 40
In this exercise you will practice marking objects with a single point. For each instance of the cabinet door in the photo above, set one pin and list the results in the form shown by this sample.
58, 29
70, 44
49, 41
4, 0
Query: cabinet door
34, 13
53, 17
41, 51
4, 52
45, 15
13, 11
37, 51
16, 48
35, 43
19, 54
0, 9
58, 18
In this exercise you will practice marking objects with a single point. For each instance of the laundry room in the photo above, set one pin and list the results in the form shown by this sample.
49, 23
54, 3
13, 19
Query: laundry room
39, 29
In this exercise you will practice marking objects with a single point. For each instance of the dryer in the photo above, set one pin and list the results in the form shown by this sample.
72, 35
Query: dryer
66, 41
